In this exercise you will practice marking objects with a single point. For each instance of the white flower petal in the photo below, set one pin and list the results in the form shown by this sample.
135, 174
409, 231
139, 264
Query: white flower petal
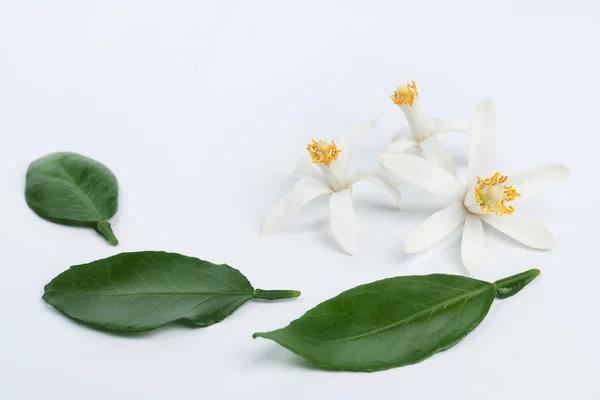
471, 248
435, 152
289, 205
441, 125
482, 142
403, 133
343, 220
539, 178
346, 144
381, 178
306, 169
349, 138
420, 172
522, 229
400, 145
435, 228
420, 125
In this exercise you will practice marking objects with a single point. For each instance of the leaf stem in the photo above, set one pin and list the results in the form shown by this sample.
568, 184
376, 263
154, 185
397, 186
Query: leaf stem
513, 284
275, 294
104, 229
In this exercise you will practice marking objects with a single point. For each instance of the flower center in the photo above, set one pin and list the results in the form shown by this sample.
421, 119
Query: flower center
322, 153
405, 95
492, 195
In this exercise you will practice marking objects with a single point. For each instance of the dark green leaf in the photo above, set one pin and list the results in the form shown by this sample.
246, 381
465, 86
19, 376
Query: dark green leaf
71, 189
145, 290
388, 323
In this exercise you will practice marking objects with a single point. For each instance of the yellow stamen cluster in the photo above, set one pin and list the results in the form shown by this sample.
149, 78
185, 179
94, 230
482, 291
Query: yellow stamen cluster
405, 95
322, 153
492, 196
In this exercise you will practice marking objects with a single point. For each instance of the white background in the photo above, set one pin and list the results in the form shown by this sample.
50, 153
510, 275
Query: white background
201, 110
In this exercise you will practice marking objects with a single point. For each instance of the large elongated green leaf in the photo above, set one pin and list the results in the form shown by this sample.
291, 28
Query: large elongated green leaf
393, 322
145, 290
71, 189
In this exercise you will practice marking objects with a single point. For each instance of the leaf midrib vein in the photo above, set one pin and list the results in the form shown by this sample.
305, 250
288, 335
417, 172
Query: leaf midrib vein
83, 194
449, 301
152, 293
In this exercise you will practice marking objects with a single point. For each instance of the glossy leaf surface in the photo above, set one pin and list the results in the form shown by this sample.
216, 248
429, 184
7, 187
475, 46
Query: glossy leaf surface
71, 189
145, 290
388, 323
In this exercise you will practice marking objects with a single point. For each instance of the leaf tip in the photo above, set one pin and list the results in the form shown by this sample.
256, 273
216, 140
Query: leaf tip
512, 285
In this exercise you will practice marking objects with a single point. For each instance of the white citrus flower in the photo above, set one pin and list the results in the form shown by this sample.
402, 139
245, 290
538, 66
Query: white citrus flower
326, 166
480, 199
422, 132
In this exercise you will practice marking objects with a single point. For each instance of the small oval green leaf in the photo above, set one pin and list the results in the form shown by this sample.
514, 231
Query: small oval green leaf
71, 189
388, 323
146, 290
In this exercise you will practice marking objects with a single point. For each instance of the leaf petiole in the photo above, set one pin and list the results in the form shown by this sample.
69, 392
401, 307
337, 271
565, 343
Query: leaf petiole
105, 230
275, 294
